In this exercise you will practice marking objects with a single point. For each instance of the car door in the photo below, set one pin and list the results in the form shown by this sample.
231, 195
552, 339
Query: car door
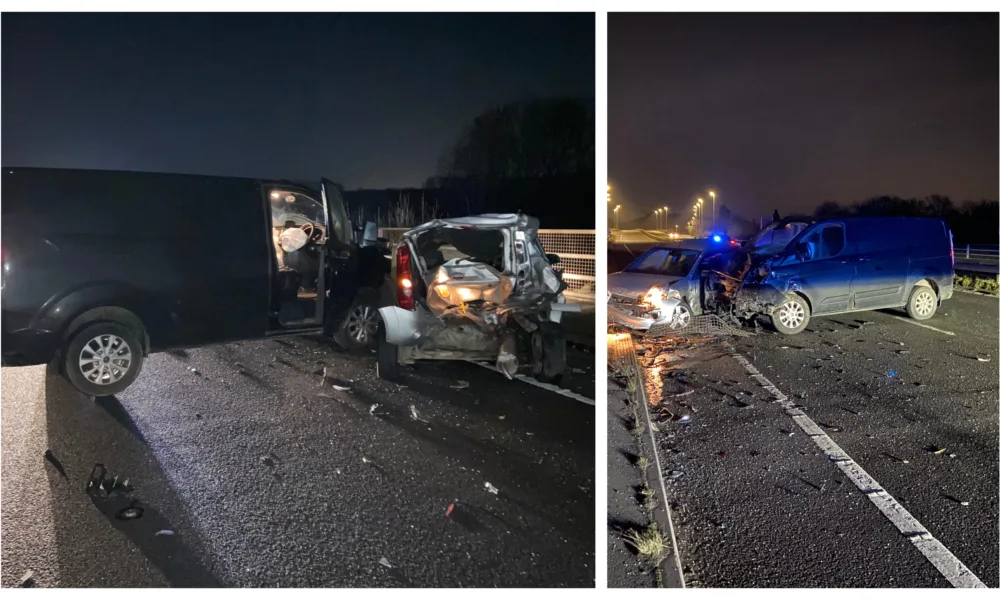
825, 269
341, 277
882, 263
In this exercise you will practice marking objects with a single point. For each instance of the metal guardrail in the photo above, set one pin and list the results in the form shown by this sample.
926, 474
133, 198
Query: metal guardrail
575, 247
640, 236
983, 254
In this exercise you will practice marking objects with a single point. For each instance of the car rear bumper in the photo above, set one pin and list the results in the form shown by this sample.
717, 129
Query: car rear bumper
27, 347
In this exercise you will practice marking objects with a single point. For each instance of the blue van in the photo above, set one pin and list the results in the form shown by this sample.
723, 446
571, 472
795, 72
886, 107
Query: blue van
835, 266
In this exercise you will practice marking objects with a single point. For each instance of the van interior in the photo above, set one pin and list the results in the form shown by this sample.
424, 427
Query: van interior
298, 233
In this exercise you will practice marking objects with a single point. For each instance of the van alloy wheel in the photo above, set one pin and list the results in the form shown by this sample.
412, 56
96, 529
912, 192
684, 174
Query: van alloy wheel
923, 303
791, 314
105, 359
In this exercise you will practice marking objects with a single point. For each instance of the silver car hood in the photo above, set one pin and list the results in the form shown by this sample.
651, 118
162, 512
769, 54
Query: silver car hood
635, 285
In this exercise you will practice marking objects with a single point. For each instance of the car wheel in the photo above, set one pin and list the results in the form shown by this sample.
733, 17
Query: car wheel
792, 316
388, 356
922, 303
360, 327
682, 317
103, 359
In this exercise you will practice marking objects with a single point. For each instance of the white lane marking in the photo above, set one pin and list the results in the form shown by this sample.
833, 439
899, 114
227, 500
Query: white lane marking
918, 324
947, 563
663, 488
544, 386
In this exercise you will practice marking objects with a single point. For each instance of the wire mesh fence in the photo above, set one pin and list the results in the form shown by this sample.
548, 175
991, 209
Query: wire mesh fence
575, 248
700, 326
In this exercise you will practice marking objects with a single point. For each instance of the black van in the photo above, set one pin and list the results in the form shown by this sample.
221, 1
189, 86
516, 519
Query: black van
836, 266
100, 268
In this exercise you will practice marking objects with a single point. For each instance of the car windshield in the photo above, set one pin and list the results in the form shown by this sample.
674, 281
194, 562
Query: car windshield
673, 262
296, 207
775, 237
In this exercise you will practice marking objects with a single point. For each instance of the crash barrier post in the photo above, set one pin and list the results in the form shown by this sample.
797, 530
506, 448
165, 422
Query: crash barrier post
982, 254
574, 247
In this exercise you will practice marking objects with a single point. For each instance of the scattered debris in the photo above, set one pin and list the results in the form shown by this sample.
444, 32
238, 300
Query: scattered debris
502, 417
416, 415
371, 410
955, 500
723, 454
675, 474
685, 419
163, 532
384, 562
687, 393
195, 371
491, 489
787, 432
28, 579
267, 460
460, 385
100, 481
833, 428
983, 359
197, 415
341, 388
133, 511
448, 510
365, 460
952, 455
49, 456
935, 450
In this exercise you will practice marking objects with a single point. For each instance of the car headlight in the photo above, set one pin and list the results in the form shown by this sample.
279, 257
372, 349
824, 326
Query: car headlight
672, 293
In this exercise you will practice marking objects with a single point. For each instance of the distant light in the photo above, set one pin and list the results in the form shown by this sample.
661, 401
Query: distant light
716, 238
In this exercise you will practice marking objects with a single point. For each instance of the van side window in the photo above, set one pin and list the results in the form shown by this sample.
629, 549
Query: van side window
825, 242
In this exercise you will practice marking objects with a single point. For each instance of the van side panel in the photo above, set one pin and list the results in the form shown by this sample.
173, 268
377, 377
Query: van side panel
188, 254
930, 256
883, 262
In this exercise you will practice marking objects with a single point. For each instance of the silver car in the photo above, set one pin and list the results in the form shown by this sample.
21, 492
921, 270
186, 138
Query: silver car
662, 286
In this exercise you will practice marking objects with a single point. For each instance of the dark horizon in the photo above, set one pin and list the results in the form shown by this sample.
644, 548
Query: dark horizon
790, 111
369, 100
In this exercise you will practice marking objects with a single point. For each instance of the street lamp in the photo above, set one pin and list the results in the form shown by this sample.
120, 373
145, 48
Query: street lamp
656, 213
714, 216
617, 208
701, 213
665, 216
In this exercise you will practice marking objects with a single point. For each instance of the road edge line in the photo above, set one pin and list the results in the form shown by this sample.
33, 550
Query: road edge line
545, 386
953, 569
918, 324
663, 487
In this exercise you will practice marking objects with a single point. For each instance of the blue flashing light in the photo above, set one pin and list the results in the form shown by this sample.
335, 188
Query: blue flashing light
716, 238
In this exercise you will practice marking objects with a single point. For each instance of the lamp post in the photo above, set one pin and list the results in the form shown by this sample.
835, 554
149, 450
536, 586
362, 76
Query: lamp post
665, 217
701, 213
656, 213
617, 208
714, 216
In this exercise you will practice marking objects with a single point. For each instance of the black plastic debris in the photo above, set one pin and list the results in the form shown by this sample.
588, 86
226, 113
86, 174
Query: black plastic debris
102, 484
51, 458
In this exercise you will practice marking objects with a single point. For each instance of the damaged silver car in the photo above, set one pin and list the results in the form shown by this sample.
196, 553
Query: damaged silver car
477, 288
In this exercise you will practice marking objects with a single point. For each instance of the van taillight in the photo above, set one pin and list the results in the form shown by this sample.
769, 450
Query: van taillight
404, 278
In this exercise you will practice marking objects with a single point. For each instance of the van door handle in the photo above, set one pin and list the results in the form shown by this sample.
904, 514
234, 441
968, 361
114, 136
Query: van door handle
861, 260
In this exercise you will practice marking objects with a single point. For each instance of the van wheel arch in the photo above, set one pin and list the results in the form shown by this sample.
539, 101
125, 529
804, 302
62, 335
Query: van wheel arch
108, 313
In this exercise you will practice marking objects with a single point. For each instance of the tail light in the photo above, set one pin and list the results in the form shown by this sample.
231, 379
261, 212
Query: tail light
951, 242
404, 277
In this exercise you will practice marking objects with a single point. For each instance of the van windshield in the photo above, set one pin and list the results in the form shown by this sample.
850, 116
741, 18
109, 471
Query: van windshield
774, 238
673, 262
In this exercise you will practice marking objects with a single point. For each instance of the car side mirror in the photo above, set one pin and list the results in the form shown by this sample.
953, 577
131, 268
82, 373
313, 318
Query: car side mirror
552, 258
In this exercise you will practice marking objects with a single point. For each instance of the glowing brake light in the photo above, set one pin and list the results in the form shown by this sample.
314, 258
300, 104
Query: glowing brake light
404, 274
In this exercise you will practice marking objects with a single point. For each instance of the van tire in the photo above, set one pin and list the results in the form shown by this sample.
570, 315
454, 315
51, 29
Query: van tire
363, 310
104, 331
922, 303
792, 315
388, 356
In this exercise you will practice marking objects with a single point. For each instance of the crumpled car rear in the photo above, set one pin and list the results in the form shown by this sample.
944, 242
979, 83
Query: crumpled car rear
481, 287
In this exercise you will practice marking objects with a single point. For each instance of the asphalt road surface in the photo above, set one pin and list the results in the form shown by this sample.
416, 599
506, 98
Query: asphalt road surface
254, 470
757, 503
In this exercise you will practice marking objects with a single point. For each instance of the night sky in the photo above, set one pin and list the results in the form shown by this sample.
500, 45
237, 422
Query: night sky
789, 111
367, 100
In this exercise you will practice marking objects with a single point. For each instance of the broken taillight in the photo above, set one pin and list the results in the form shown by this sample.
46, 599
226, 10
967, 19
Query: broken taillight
404, 277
